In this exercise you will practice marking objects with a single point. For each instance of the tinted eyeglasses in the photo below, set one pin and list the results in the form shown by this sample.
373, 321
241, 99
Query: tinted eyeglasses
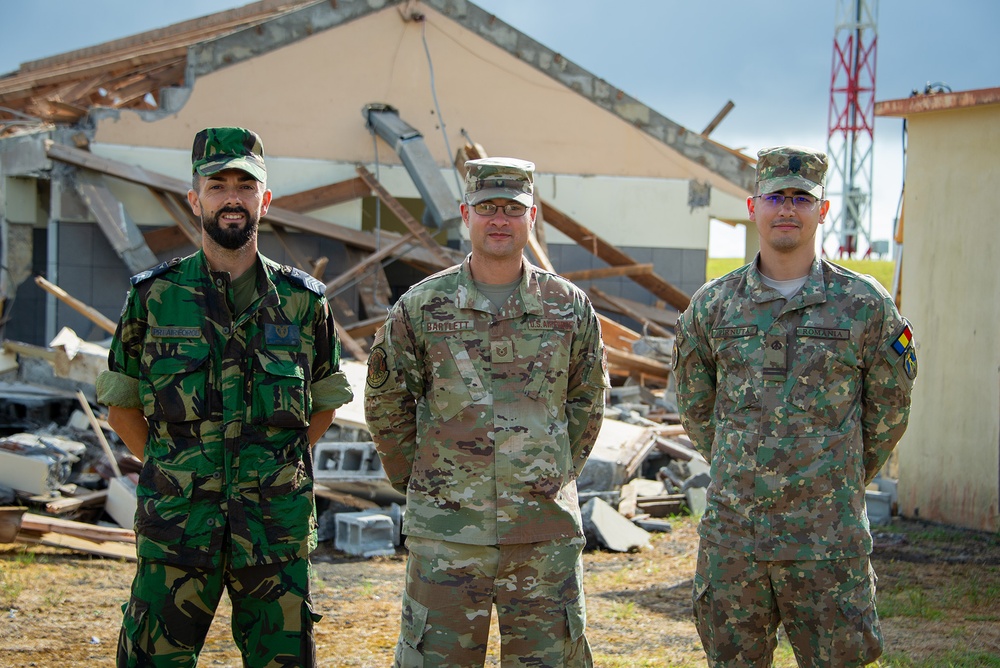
777, 200
513, 210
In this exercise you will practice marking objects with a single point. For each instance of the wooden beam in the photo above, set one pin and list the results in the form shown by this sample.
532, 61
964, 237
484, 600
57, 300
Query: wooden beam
164, 239
324, 196
411, 223
86, 311
714, 123
613, 256
422, 257
350, 344
282, 237
608, 272
655, 319
186, 221
364, 328
624, 363
358, 269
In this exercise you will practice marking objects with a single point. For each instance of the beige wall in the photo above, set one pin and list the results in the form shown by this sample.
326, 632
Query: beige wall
949, 460
306, 101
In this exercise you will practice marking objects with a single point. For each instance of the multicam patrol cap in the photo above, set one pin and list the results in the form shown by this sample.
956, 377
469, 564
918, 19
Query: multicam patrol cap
216, 149
797, 167
499, 178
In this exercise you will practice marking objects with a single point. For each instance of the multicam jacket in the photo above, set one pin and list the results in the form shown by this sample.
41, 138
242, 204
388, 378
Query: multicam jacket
485, 420
797, 404
228, 468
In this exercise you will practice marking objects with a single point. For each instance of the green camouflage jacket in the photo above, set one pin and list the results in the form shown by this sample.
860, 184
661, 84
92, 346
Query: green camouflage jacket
228, 463
484, 420
797, 405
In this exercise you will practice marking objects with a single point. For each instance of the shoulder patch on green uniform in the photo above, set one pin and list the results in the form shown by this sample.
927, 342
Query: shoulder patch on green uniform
900, 350
378, 368
155, 271
305, 280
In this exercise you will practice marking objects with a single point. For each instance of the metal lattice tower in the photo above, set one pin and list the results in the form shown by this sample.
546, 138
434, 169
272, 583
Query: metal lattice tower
851, 126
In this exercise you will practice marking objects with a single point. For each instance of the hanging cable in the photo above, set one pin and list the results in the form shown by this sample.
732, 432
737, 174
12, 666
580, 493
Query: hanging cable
437, 107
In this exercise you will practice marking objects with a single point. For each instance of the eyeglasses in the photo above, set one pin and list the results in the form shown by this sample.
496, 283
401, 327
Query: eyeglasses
798, 201
513, 210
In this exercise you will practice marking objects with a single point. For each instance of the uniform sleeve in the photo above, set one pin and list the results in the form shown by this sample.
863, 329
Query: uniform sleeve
393, 387
695, 374
330, 388
119, 385
587, 386
887, 385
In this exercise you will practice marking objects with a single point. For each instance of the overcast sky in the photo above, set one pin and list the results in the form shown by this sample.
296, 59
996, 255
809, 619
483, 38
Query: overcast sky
771, 58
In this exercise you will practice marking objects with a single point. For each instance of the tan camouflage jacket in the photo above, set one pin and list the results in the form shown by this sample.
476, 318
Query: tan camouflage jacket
797, 405
228, 469
484, 420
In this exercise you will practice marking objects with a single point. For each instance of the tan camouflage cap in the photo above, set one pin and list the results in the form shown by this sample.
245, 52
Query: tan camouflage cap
216, 149
797, 167
499, 178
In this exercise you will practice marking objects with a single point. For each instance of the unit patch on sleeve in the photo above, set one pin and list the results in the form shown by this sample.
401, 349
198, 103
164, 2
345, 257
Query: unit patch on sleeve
378, 368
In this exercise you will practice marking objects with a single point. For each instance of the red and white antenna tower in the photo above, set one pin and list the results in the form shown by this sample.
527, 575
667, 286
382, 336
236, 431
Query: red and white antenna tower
851, 126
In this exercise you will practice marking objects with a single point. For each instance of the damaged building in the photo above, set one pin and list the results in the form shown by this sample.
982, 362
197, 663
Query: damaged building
368, 114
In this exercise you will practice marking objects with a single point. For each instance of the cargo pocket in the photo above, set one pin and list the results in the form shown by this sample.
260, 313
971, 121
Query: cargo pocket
307, 647
175, 383
701, 603
411, 633
455, 384
280, 396
861, 642
577, 647
134, 641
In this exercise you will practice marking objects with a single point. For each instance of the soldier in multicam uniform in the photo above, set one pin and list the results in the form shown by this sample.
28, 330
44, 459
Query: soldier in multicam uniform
793, 380
484, 397
223, 372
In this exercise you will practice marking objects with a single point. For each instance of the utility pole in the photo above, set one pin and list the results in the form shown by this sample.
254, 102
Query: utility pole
851, 125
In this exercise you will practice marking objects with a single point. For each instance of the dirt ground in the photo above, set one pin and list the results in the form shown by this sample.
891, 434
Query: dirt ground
939, 599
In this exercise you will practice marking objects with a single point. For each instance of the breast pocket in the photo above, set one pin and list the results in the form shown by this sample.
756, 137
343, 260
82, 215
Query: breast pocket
824, 379
455, 383
280, 396
737, 383
175, 383
546, 354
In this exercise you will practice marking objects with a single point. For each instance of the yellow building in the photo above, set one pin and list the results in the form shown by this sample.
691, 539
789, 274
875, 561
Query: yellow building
949, 459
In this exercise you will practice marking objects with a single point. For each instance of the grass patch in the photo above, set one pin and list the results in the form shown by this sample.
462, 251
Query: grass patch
953, 659
907, 602
881, 270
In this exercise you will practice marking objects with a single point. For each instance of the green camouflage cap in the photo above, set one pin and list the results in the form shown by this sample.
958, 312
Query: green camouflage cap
499, 178
791, 167
216, 149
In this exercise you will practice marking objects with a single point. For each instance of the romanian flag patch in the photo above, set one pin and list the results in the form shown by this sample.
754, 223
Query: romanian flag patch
902, 341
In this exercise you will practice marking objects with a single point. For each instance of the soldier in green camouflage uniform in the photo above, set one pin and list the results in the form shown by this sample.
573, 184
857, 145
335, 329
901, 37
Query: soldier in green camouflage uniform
223, 372
793, 380
484, 397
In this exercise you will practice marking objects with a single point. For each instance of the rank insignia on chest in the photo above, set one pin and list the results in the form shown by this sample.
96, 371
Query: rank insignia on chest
502, 351
281, 335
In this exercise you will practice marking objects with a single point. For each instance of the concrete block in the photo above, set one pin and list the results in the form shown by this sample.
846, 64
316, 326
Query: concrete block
365, 534
879, 507
121, 503
26, 474
696, 500
605, 525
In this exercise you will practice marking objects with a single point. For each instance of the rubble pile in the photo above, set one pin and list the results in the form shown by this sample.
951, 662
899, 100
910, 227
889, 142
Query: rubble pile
67, 480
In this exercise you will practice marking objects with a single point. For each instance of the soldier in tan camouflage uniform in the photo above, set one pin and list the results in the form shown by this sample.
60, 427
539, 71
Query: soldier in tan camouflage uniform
223, 372
793, 380
485, 394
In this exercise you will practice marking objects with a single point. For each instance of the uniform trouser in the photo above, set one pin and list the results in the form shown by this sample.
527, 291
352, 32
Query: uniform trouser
826, 607
451, 589
171, 608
